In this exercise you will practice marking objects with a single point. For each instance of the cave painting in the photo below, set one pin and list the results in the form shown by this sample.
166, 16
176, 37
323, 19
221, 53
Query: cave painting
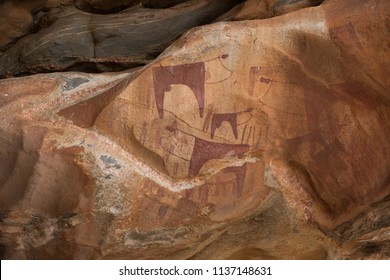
231, 118
315, 102
254, 72
204, 150
191, 75
240, 172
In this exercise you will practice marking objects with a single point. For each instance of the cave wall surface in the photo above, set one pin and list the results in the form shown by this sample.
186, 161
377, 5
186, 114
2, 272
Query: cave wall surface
263, 135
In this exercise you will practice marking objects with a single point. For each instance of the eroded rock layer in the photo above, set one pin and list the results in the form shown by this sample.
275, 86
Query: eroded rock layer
262, 139
78, 40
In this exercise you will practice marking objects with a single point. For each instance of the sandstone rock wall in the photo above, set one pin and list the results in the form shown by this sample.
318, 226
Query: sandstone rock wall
263, 139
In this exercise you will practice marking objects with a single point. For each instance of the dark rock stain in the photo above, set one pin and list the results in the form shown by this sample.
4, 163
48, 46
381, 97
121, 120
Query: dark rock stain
110, 162
74, 83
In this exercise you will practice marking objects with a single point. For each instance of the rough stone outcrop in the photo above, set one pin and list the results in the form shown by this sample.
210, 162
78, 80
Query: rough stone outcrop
263, 139
16, 20
78, 40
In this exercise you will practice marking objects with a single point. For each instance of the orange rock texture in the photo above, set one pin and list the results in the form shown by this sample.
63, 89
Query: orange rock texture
252, 139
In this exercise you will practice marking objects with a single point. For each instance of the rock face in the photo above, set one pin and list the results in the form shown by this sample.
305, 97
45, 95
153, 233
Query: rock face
261, 9
16, 20
263, 139
106, 42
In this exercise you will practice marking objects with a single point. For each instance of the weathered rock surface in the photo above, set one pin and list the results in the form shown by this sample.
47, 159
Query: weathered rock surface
16, 20
264, 139
106, 42
261, 9
104, 6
